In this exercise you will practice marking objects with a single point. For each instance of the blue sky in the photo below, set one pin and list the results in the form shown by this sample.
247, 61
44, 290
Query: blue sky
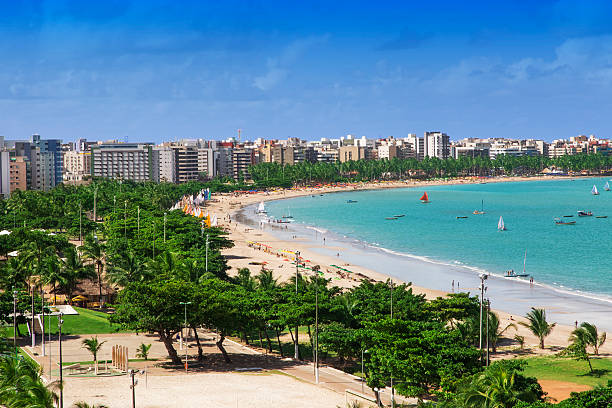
157, 70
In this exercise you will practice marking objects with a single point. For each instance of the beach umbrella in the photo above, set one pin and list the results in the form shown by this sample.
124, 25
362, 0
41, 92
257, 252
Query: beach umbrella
79, 298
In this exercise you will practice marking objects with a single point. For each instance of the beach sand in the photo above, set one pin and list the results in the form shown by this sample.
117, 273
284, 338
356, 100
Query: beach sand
245, 254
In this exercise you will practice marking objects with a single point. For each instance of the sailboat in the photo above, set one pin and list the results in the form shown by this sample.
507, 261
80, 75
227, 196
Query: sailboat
476, 212
512, 274
594, 190
500, 225
288, 214
261, 209
424, 198
607, 186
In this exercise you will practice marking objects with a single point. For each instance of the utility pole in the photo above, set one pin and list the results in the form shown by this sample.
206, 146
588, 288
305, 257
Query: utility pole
15, 320
125, 219
95, 198
183, 340
42, 324
114, 203
483, 277
60, 321
488, 313
392, 389
164, 228
316, 326
138, 230
81, 223
206, 252
32, 327
297, 326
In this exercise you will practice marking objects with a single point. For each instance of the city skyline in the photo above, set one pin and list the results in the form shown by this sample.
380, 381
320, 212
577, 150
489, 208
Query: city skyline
156, 71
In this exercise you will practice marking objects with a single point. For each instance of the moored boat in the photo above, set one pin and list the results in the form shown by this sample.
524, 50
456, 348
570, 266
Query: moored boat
261, 209
559, 221
350, 201
585, 213
425, 198
390, 218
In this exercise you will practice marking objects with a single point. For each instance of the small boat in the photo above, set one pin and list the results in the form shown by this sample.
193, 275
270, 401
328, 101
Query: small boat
350, 201
601, 216
500, 224
288, 214
261, 209
424, 199
594, 190
400, 216
390, 218
607, 186
568, 216
585, 213
559, 221
461, 216
512, 274
476, 212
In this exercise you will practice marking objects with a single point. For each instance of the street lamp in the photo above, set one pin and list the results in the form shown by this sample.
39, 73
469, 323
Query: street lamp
60, 321
316, 354
297, 267
362, 368
81, 223
165, 228
15, 320
132, 374
125, 219
206, 252
483, 277
488, 313
182, 341
42, 324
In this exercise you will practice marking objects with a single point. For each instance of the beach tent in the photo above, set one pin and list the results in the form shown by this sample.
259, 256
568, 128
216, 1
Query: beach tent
5, 232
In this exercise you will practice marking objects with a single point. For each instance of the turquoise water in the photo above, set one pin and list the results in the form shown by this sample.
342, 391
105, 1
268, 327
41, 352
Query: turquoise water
569, 257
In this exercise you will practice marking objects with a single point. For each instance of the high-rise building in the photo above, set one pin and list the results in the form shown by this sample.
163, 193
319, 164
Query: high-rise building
241, 160
18, 173
353, 153
164, 164
437, 144
418, 145
206, 162
124, 161
77, 166
54, 147
5, 174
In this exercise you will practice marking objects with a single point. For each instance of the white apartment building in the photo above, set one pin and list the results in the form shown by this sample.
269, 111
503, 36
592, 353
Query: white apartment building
77, 164
124, 161
164, 164
437, 144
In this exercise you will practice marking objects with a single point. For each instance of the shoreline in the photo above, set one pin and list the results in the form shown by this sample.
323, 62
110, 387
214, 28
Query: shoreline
242, 231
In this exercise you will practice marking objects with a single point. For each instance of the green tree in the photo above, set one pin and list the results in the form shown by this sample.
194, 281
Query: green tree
588, 334
93, 345
537, 324
143, 350
93, 250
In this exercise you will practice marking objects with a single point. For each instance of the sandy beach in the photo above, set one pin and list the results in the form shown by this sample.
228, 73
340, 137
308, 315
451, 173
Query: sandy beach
256, 247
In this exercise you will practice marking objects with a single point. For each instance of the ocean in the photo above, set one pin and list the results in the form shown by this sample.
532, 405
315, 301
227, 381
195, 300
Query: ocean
430, 246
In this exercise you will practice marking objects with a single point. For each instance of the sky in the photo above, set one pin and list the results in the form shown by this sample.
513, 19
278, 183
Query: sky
153, 70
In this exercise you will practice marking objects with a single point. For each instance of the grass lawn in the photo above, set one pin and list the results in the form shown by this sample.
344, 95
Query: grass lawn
86, 322
570, 370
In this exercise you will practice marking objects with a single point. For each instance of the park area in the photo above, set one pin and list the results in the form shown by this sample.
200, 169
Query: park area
254, 378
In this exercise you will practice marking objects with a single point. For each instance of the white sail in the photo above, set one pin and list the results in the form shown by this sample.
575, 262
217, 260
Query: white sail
594, 190
261, 208
607, 186
214, 222
500, 224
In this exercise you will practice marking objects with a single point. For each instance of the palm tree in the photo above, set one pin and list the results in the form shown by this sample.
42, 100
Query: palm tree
497, 387
245, 279
143, 351
83, 404
73, 271
93, 345
21, 385
588, 335
130, 269
52, 275
494, 329
93, 250
538, 325
265, 279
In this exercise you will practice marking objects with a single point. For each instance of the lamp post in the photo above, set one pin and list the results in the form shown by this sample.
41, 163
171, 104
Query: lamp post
185, 303
488, 313
138, 227
81, 223
125, 219
60, 321
15, 320
134, 383
296, 350
206, 252
483, 277
42, 324
165, 228
392, 390
316, 353
114, 203
32, 327
363, 368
